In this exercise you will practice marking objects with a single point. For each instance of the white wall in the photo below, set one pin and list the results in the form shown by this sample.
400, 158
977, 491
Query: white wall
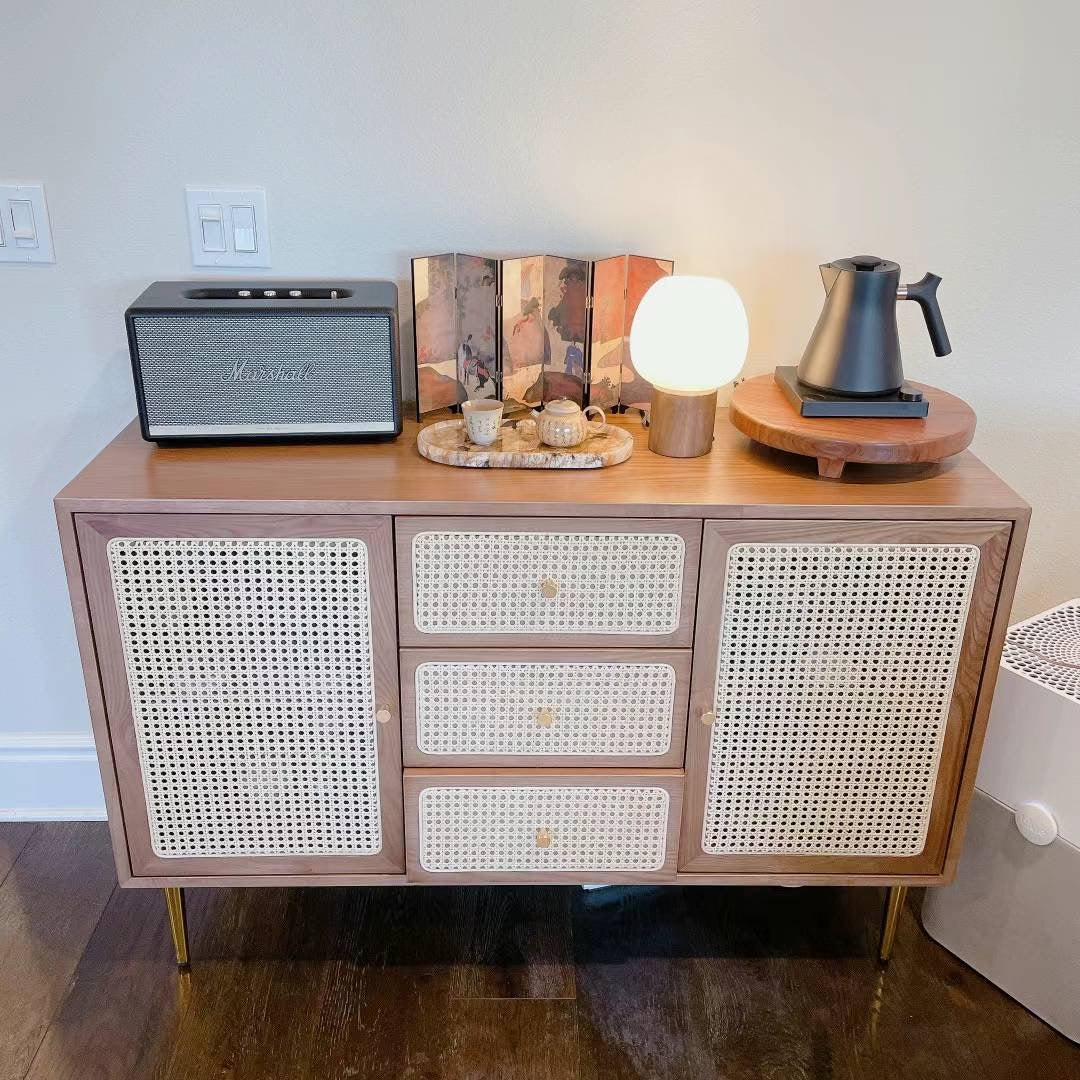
750, 140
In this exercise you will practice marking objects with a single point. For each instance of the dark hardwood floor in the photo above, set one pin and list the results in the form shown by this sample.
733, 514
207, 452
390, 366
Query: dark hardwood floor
511, 982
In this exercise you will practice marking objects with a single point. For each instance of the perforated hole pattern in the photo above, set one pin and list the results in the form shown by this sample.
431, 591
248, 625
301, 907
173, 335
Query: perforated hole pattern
1046, 648
491, 708
249, 663
490, 582
495, 829
834, 679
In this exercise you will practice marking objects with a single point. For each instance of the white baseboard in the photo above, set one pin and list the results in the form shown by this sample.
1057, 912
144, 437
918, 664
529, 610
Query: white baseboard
49, 776
52, 813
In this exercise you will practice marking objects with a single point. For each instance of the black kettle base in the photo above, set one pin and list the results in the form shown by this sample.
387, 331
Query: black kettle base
810, 402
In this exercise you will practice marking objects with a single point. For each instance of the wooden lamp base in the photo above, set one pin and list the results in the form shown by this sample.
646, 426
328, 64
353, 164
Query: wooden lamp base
681, 424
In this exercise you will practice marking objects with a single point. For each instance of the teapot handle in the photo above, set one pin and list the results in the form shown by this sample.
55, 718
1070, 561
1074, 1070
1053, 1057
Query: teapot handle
591, 408
924, 293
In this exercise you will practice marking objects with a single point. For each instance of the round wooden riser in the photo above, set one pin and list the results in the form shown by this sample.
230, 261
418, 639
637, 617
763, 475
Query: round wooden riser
760, 410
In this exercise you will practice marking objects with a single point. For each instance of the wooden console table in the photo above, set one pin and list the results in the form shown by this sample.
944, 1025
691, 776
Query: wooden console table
346, 665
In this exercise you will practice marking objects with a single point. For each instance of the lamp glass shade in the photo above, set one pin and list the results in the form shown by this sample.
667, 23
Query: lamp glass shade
690, 334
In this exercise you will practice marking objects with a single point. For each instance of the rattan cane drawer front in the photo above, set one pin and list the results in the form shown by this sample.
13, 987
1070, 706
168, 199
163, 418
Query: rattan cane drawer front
555, 582
541, 825
545, 707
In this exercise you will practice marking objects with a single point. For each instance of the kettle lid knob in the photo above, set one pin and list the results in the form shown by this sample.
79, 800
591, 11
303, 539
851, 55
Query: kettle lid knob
868, 262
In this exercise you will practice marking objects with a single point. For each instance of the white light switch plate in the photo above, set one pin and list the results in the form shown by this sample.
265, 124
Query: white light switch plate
228, 226
25, 233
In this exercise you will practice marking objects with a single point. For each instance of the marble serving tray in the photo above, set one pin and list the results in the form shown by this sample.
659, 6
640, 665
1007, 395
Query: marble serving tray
518, 447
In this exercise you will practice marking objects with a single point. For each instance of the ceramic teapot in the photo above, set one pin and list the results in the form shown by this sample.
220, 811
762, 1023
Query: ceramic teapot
563, 423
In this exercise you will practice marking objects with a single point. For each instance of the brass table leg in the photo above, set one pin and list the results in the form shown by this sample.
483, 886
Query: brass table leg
174, 898
893, 907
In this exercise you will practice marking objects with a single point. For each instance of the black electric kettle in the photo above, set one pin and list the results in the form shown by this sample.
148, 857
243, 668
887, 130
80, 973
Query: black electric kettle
855, 348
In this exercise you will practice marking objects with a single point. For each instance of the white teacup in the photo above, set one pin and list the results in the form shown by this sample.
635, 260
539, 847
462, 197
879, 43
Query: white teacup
482, 419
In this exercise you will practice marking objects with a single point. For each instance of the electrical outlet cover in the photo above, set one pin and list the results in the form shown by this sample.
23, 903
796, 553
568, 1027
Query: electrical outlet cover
25, 232
228, 227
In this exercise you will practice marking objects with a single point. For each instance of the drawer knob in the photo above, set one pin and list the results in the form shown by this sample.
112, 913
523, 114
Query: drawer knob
545, 717
549, 588
707, 718
383, 714
543, 838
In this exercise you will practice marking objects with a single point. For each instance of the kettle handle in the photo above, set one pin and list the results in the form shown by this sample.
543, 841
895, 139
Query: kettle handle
924, 293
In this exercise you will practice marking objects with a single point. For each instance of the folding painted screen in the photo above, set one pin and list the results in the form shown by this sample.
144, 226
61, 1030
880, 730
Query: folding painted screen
563, 330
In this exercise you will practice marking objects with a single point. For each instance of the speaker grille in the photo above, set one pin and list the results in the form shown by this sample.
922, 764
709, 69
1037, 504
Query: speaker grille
249, 663
834, 681
266, 369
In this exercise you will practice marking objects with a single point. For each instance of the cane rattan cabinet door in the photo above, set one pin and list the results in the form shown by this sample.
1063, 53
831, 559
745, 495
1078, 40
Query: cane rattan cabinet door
836, 669
249, 669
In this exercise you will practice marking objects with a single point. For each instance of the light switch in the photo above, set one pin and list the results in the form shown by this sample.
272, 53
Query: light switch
212, 222
22, 223
228, 227
243, 226
25, 235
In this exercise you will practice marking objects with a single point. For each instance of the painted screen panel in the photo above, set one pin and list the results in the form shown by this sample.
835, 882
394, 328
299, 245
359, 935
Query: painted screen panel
619, 283
435, 326
566, 292
641, 272
477, 287
608, 344
454, 306
526, 345
545, 306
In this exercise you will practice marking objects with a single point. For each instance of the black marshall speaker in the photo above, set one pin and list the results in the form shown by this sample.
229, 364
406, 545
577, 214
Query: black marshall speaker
301, 361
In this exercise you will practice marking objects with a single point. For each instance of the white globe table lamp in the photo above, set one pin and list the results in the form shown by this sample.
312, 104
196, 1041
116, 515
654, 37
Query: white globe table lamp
689, 338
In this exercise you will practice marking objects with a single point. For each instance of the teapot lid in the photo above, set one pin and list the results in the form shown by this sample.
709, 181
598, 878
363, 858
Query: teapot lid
562, 407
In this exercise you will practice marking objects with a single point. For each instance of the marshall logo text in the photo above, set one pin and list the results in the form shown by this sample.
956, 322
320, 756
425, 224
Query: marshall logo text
245, 371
